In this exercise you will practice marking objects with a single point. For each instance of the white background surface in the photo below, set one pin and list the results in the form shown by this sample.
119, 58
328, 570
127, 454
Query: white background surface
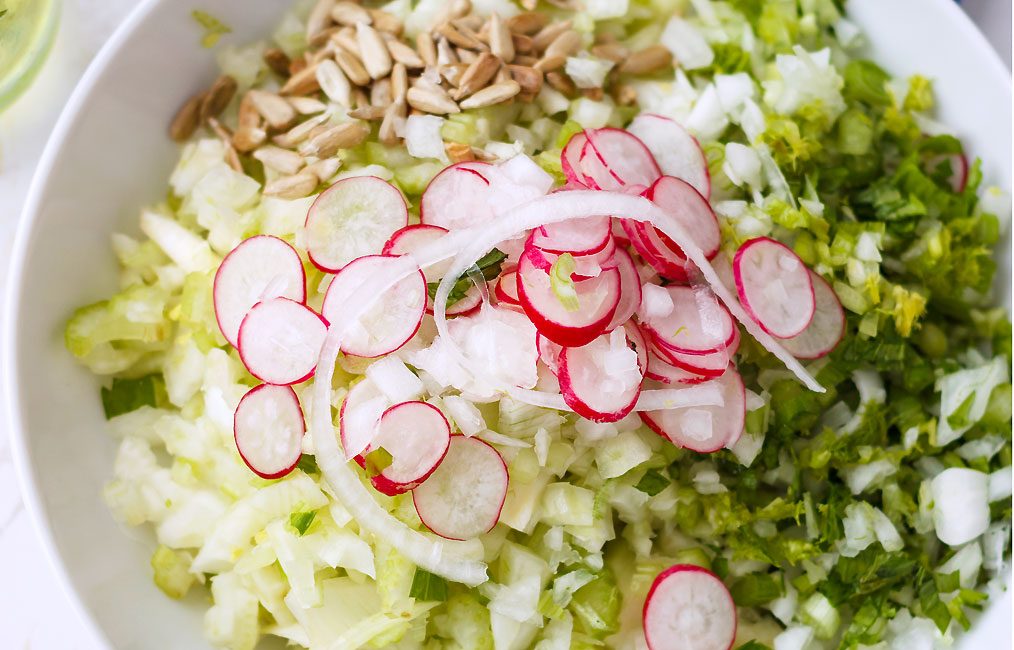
34, 613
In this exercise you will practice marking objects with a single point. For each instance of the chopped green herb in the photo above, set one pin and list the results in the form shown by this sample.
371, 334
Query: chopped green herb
308, 464
126, 395
488, 266
755, 589
428, 587
301, 521
653, 482
214, 29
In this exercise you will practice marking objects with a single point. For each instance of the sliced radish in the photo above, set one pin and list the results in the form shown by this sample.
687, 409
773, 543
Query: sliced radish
570, 161
689, 607
416, 435
774, 287
630, 289
677, 152
711, 365
826, 329
463, 497
585, 266
359, 417
259, 268
549, 353
458, 197
391, 321
959, 169
412, 238
507, 288
613, 158
698, 323
576, 236
268, 428
352, 218
661, 370
467, 305
680, 199
601, 380
279, 341
666, 262
704, 428
598, 298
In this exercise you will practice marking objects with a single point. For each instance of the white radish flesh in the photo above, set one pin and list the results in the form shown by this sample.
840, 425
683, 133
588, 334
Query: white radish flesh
259, 268
774, 287
826, 329
661, 370
665, 261
711, 365
598, 298
689, 608
417, 436
630, 289
391, 321
414, 237
352, 218
677, 152
280, 340
577, 236
679, 198
463, 497
601, 380
458, 197
268, 429
613, 158
507, 288
708, 428
698, 324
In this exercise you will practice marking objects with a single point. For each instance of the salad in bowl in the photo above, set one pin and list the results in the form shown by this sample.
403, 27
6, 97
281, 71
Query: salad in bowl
633, 325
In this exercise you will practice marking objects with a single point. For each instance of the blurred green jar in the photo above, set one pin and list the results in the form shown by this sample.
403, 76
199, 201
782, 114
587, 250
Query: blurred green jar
27, 30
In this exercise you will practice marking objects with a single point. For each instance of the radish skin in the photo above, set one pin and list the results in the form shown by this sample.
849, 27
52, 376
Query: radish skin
689, 607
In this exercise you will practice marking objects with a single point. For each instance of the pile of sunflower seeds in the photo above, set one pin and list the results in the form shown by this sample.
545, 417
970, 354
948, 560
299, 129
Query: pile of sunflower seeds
360, 60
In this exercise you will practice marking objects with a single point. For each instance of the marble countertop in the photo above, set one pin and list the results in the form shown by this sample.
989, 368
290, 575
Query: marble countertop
34, 611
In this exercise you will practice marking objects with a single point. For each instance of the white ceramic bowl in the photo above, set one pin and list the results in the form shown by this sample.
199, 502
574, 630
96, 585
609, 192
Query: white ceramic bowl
109, 155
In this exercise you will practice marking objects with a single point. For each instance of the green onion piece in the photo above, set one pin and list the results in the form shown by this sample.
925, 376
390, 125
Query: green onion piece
214, 29
428, 587
652, 482
562, 283
126, 395
301, 521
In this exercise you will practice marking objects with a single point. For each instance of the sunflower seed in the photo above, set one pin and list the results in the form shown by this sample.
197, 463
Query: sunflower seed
328, 142
325, 168
278, 112
404, 54
359, 98
500, 41
218, 97
277, 60
550, 63
386, 22
453, 72
220, 129
460, 37
477, 75
524, 59
650, 59
298, 133
296, 66
393, 123
303, 82
430, 101
527, 77
503, 74
561, 83
248, 138
399, 82
610, 52
495, 94
548, 34
528, 22
319, 18
427, 48
373, 51
459, 152
292, 187
352, 67
523, 45
466, 56
280, 160
625, 95
368, 113
334, 83
380, 93
323, 36
350, 13
445, 53
460, 9
223, 133
187, 119
564, 45
593, 93
307, 105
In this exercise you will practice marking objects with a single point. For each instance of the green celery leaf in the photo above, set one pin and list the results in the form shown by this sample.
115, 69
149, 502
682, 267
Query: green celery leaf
428, 587
126, 395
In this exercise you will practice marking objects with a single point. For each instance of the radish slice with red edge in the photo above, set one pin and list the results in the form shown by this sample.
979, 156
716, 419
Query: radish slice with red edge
359, 417
576, 236
390, 322
709, 365
414, 237
417, 436
458, 197
613, 158
597, 297
466, 306
959, 169
688, 607
630, 289
663, 260
258, 268
463, 497
677, 152
774, 287
506, 289
680, 199
698, 324
570, 161
704, 429
601, 380
585, 266
661, 370
280, 340
352, 218
826, 329
268, 428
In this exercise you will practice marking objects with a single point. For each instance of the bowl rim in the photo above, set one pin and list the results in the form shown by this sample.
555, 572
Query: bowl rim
25, 231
